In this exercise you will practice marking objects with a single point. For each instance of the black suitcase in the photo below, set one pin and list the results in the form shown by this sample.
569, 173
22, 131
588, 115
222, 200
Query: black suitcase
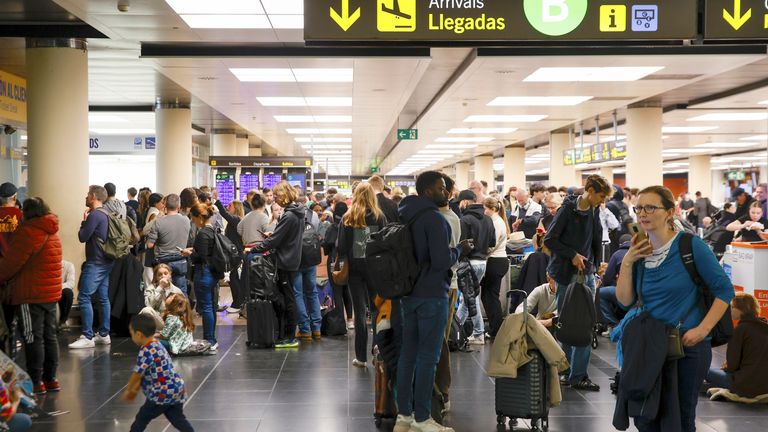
525, 396
260, 318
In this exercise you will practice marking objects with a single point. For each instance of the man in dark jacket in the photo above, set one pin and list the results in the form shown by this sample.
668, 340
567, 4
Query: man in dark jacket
387, 206
285, 241
575, 239
425, 310
743, 201
619, 208
477, 226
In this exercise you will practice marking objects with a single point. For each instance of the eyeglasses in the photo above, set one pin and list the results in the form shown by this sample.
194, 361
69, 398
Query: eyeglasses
649, 209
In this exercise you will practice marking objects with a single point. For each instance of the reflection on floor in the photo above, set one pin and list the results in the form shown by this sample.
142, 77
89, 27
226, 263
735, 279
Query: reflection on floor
314, 388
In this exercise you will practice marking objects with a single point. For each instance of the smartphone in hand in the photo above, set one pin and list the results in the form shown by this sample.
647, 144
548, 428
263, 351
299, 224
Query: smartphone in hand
638, 230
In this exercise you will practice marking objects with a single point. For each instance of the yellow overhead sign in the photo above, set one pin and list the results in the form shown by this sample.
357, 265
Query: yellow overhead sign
396, 15
13, 97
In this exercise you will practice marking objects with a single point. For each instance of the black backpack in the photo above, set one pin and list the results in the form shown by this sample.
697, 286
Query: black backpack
577, 317
458, 337
723, 330
225, 257
260, 278
310, 245
391, 259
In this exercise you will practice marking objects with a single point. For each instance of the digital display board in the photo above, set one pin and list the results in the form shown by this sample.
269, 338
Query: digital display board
297, 180
248, 180
225, 186
269, 180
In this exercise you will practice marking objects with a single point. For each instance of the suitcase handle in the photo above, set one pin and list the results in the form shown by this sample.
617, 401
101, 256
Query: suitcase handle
525, 304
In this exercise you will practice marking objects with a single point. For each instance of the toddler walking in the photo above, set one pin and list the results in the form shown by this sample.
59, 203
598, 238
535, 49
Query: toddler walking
158, 380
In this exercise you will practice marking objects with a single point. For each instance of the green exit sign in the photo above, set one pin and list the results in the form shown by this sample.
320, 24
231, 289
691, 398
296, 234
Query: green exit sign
407, 134
375, 170
736, 175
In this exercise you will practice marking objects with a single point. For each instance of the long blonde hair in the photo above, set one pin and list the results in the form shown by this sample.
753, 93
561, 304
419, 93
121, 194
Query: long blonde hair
364, 199
497, 206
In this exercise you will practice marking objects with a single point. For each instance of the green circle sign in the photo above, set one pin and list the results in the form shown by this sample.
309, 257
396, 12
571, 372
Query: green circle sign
555, 17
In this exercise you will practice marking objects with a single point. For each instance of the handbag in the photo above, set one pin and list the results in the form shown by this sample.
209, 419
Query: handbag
340, 273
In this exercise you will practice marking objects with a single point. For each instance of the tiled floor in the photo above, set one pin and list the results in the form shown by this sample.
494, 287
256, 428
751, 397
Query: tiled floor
314, 388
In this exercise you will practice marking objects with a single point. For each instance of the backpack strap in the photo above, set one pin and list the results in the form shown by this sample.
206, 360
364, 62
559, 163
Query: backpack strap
686, 254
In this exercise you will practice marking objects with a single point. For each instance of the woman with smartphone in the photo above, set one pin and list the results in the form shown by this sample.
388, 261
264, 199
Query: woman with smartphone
653, 268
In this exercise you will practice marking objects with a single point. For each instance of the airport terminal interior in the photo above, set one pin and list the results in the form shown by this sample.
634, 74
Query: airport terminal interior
309, 107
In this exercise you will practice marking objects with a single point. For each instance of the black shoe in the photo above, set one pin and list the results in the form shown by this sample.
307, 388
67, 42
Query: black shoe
587, 385
564, 381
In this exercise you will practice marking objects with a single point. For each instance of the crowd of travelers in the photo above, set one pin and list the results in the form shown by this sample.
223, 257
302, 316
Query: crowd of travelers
627, 246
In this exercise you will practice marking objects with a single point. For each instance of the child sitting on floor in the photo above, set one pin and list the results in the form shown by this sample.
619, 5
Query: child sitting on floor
178, 325
157, 378
156, 294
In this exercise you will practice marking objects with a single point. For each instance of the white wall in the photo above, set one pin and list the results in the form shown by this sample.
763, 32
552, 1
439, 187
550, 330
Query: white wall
123, 170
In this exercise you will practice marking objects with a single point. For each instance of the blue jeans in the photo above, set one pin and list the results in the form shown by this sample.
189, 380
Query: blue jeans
578, 357
20, 422
205, 287
691, 371
463, 312
720, 378
304, 284
608, 304
95, 280
424, 321
150, 411
179, 274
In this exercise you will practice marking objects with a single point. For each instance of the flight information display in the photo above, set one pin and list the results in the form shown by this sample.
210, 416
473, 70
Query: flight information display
271, 179
225, 185
297, 180
248, 180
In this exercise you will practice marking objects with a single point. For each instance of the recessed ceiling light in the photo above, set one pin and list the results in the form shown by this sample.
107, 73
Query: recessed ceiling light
315, 119
323, 140
309, 101
756, 138
451, 146
731, 116
464, 139
227, 21
293, 75
329, 152
686, 129
539, 100
667, 152
287, 22
310, 131
216, 7
283, 7
123, 131
441, 152
504, 118
326, 146
482, 130
582, 74
726, 145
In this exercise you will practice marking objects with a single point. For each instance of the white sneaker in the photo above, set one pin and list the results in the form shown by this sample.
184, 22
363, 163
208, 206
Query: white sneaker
233, 310
403, 423
214, 347
476, 340
357, 363
607, 332
429, 425
82, 342
350, 324
102, 340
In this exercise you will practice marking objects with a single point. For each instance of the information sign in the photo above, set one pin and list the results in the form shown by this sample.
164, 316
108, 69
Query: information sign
248, 180
271, 179
225, 185
498, 20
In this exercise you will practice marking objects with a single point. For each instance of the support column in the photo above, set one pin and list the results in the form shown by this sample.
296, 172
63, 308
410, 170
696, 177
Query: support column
559, 173
57, 127
462, 175
514, 168
223, 143
644, 146
173, 160
717, 190
763, 174
607, 173
241, 145
484, 170
700, 175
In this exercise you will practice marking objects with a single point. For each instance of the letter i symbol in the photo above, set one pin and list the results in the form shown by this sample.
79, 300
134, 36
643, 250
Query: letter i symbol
612, 18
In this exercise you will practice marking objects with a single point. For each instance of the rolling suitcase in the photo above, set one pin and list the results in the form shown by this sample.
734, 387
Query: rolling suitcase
384, 401
260, 323
526, 396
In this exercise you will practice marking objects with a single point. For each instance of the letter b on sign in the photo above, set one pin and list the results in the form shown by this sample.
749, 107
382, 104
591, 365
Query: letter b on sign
555, 17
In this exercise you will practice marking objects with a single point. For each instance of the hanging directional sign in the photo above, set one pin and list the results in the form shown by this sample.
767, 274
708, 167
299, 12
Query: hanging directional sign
407, 134
736, 19
498, 20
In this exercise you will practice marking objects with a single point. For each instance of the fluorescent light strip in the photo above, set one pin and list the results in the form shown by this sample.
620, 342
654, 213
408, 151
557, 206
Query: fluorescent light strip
504, 118
731, 116
715, 145
314, 119
539, 100
326, 146
283, 7
482, 130
216, 7
464, 139
287, 22
323, 140
308, 101
451, 146
122, 131
686, 129
309, 131
755, 138
227, 21
591, 74
683, 150
293, 75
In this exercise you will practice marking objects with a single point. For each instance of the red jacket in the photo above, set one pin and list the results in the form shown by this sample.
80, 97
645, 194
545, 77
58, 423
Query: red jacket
36, 276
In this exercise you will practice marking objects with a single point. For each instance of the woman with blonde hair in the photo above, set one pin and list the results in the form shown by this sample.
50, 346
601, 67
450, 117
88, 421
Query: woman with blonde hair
363, 218
497, 265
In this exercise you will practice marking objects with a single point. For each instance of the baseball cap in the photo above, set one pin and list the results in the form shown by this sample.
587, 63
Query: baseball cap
7, 190
736, 192
467, 195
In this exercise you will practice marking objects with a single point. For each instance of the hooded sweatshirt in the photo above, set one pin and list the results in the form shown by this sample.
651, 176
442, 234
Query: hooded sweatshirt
431, 236
34, 262
479, 227
286, 240
619, 209
573, 231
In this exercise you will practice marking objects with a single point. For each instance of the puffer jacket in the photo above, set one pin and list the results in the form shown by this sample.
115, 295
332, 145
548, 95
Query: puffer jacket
35, 276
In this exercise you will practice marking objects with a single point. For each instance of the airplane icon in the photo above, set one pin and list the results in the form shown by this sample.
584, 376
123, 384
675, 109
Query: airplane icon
395, 10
